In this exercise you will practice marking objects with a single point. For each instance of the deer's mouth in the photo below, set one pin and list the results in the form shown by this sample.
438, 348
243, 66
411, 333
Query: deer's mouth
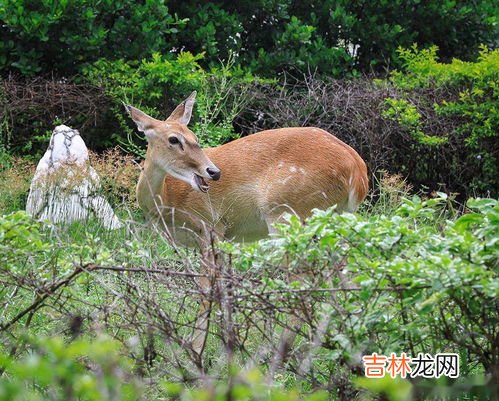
201, 183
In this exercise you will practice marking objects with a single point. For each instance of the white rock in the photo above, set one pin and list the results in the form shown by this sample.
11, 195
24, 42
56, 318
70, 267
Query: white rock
65, 187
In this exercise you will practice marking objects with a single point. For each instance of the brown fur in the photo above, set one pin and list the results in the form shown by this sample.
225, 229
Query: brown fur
267, 174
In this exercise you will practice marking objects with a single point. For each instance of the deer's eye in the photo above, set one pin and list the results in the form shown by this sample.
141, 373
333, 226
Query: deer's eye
173, 140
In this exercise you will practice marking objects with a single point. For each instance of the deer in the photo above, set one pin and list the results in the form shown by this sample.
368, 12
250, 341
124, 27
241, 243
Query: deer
243, 187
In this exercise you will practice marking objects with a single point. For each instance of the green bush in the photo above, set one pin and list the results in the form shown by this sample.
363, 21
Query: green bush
139, 82
97, 369
212, 29
470, 98
420, 278
424, 283
61, 36
407, 116
158, 84
54, 370
299, 48
335, 37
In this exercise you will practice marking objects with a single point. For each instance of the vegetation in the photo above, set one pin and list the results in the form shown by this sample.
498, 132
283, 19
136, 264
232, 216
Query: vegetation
336, 37
474, 106
422, 277
435, 123
90, 314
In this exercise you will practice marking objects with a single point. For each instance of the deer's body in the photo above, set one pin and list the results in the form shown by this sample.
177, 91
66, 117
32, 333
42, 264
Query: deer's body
264, 175
253, 182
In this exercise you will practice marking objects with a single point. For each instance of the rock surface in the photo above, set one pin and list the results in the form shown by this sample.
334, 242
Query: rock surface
65, 188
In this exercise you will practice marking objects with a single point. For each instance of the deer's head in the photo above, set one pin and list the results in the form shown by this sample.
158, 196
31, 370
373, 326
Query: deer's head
173, 148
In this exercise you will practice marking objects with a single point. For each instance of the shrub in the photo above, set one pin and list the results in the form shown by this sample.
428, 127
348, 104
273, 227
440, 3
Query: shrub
333, 37
61, 36
414, 279
337, 37
97, 370
30, 109
92, 370
472, 104
212, 29
158, 84
419, 282
407, 116
298, 47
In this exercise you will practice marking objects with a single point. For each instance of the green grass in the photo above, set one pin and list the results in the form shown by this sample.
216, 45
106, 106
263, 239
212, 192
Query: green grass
148, 313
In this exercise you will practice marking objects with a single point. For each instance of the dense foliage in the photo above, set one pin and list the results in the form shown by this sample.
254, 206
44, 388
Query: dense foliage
473, 139
421, 278
61, 36
447, 276
337, 37
55, 370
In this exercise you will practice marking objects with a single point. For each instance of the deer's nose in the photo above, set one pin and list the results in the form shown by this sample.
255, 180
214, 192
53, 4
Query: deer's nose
214, 173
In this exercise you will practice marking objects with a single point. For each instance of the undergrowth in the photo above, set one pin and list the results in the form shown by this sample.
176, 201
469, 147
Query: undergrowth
422, 275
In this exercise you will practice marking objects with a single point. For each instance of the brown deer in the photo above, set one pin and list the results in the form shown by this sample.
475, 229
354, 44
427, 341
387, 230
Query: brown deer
241, 188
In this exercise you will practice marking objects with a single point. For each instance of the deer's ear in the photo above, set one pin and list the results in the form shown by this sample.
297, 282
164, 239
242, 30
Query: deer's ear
145, 123
183, 111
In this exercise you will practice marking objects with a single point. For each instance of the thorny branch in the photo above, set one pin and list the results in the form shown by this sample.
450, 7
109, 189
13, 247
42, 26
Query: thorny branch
156, 305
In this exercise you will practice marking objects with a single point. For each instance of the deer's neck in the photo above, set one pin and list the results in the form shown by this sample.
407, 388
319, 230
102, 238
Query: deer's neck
150, 188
